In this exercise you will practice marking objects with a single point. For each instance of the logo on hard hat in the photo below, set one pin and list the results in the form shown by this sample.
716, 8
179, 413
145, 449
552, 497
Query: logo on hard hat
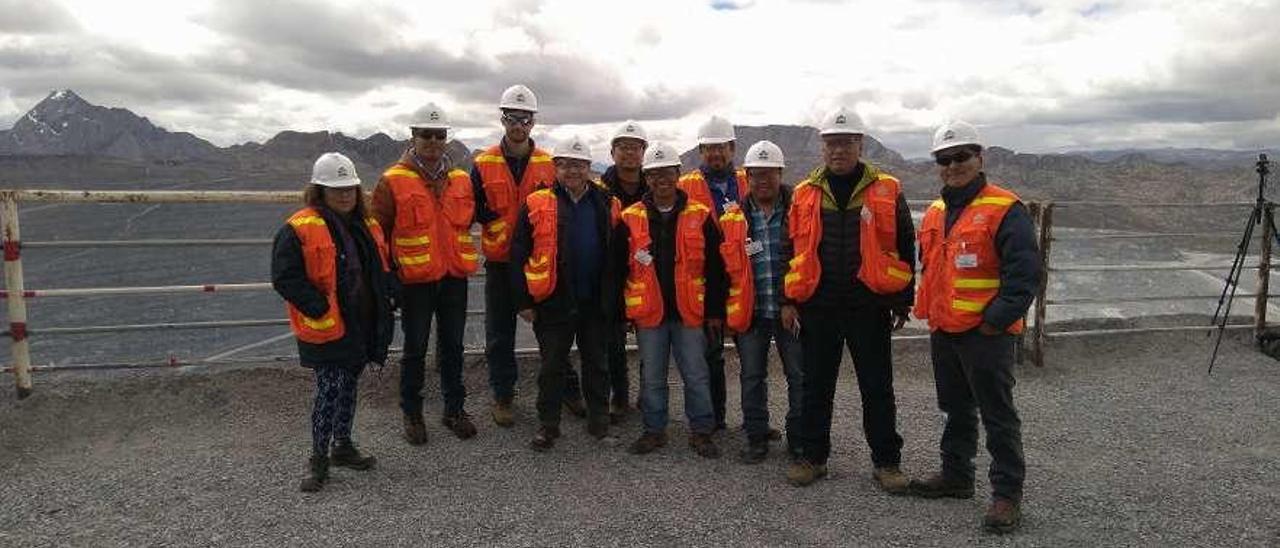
519, 97
840, 119
630, 128
342, 171
577, 146
658, 154
949, 135
435, 115
763, 155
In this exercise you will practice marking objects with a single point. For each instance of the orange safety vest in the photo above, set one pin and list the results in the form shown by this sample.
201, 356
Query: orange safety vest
643, 294
540, 268
320, 255
962, 268
503, 198
431, 236
882, 271
696, 186
740, 305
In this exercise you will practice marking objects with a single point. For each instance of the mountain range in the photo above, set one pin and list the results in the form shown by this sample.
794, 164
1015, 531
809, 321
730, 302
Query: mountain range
65, 140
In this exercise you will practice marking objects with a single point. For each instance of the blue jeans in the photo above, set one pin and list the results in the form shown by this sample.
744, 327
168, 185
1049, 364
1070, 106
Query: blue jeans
657, 344
753, 352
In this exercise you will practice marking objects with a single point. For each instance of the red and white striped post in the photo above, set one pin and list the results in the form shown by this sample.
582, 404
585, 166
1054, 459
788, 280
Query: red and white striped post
17, 301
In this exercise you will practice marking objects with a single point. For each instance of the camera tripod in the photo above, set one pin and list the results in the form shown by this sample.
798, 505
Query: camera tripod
1263, 168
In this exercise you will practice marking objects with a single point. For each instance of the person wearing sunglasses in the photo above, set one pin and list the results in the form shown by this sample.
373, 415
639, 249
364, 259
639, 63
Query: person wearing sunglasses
848, 282
425, 207
980, 272
502, 177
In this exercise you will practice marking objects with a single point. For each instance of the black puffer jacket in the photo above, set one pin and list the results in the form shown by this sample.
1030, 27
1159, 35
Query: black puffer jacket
366, 339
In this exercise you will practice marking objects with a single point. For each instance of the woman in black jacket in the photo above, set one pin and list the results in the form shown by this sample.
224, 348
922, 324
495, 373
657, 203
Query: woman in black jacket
329, 263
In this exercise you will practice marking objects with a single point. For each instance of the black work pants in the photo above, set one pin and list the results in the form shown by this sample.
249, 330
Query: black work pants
715, 366
974, 375
556, 336
824, 335
446, 301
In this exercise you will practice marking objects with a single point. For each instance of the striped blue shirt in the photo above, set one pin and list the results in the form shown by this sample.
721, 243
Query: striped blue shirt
767, 264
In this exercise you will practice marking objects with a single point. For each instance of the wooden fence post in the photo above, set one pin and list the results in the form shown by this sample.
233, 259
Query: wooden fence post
17, 299
1046, 237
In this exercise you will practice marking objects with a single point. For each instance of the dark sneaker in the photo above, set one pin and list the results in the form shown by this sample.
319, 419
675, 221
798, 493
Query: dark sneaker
319, 473
802, 473
619, 410
648, 442
598, 430
703, 446
460, 424
1003, 516
940, 486
575, 407
891, 480
755, 452
502, 414
415, 431
545, 439
346, 455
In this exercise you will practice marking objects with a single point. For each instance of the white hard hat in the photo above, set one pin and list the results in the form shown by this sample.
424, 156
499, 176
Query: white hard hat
841, 121
432, 117
335, 171
630, 130
714, 131
519, 97
954, 134
764, 154
660, 155
573, 147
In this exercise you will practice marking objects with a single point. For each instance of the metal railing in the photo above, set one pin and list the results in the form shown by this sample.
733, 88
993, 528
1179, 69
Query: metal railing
17, 295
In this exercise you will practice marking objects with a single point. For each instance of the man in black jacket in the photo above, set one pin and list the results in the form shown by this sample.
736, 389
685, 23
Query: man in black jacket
624, 183
561, 295
981, 235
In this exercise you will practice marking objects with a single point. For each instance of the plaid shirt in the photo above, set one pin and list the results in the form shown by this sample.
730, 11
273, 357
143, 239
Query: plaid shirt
767, 264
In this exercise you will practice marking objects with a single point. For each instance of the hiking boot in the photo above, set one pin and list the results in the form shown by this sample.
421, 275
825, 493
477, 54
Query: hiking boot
648, 442
545, 439
619, 410
502, 414
940, 486
319, 469
775, 434
802, 473
755, 452
460, 424
346, 455
415, 431
1003, 516
703, 446
575, 406
891, 479
598, 430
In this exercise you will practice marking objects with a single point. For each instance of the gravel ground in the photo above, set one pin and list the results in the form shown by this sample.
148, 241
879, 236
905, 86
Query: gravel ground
1128, 443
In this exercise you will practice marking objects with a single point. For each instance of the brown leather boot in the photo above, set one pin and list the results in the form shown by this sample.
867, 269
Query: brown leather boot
346, 455
460, 424
502, 413
940, 486
415, 431
803, 473
545, 439
648, 442
891, 480
704, 446
1003, 516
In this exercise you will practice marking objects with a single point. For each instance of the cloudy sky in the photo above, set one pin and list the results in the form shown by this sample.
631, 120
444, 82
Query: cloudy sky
1034, 75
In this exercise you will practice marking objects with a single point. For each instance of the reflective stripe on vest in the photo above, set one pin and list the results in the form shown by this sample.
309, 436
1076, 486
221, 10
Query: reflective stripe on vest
740, 305
642, 293
881, 270
962, 268
699, 190
320, 257
431, 235
504, 198
540, 268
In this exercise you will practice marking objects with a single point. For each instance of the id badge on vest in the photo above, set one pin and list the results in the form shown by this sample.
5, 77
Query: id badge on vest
754, 247
965, 259
643, 257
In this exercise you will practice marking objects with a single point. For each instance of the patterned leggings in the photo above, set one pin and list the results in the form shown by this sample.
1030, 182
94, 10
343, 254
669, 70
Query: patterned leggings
334, 408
